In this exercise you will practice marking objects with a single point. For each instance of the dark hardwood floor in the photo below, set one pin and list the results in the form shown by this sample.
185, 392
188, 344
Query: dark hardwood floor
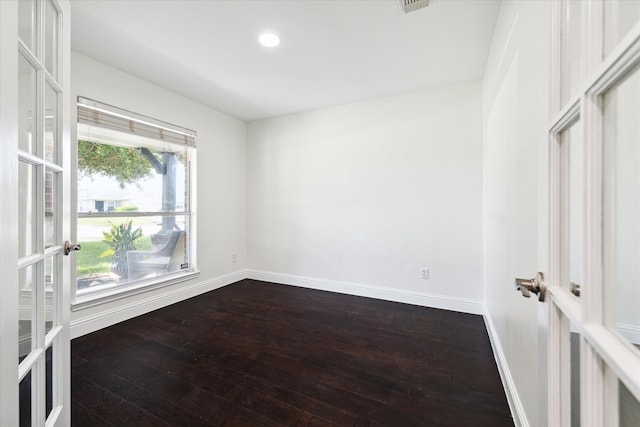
262, 354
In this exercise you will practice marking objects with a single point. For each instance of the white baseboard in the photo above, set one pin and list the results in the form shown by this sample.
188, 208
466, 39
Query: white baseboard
445, 302
515, 404
102, 319
111, 316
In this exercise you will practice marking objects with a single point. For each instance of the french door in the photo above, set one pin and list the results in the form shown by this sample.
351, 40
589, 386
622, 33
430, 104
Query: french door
34, 126
593, 282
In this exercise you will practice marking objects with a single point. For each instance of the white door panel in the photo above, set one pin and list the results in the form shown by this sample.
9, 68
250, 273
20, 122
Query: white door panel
34, 126
593, 364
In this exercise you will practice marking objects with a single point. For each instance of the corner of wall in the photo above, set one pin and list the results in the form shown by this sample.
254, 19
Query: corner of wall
445, 302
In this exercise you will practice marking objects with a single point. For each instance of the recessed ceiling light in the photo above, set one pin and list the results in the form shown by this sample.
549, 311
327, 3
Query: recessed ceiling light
269, 40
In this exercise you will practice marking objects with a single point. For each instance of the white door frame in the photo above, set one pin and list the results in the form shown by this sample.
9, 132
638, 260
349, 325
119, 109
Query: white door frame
64, 387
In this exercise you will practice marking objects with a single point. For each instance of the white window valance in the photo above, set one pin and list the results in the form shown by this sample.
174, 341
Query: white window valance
94, 113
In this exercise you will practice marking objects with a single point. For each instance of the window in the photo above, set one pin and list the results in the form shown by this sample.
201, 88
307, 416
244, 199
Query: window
134, 202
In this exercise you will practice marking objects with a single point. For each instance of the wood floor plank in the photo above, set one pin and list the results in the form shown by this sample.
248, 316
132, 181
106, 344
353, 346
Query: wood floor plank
113, 408
262, 354
81, 416
171, 413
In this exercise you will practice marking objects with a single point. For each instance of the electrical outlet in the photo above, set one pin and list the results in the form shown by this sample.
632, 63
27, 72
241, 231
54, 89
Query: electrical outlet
424, 273
234, 258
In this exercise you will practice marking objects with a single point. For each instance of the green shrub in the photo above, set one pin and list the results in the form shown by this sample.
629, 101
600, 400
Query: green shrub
127, 208
121, 238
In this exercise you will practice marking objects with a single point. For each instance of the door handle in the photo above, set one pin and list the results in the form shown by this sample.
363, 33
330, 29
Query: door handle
69, 247
535, 285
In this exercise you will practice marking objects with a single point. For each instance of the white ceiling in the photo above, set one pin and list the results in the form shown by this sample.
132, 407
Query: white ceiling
332, 51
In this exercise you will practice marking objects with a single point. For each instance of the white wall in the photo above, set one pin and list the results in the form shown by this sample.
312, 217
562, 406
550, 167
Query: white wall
220, 192
357, 198
515, 93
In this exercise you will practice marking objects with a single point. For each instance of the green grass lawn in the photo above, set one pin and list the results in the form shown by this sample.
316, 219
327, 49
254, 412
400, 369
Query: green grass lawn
88, 259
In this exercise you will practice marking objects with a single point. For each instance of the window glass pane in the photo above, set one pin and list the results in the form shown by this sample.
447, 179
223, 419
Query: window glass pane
27, 107
51, 38
575, 377
622, 207
27, 206
26, 304
571, 49
51, 285
620, 17
51, 211
51, 124
137, 179
572, 190
119, 251
25, 401
49, 380
628, 407
26, 22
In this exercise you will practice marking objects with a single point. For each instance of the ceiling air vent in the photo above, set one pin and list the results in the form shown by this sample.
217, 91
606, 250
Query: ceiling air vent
411, 5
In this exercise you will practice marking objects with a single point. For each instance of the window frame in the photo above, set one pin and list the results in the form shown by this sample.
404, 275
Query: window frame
163, 132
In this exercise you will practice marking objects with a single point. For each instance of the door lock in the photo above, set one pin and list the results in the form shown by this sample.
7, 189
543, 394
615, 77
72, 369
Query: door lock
535, 285
69, 247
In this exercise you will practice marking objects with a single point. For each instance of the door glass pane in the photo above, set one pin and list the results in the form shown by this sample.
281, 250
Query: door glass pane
26, 106
575, 378
51, 124
571, 49
628, 407
49, 380
620, 17
51, 38
50, 208
50, 291
25, 401
26, 310
571, 209
27, 214
622, 207
26, 22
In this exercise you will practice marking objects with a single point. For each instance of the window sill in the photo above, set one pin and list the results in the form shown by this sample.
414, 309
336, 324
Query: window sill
99, 297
